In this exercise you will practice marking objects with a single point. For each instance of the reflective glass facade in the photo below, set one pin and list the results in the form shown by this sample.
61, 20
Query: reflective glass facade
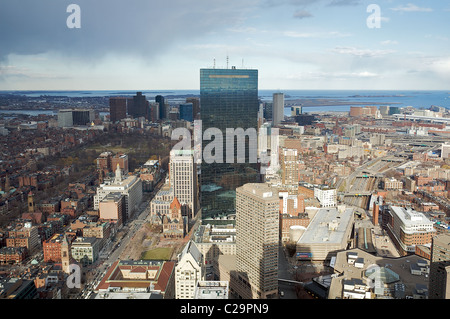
228, 99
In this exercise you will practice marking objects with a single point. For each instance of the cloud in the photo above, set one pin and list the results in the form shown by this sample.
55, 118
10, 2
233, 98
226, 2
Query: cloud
273, 3
331, 34
302, 14
342, 3
411, 8
389, 42
363, 53
332, 75
138, 28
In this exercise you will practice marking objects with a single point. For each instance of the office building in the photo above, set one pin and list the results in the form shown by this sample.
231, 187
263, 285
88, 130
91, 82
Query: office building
257, 236
112, 208
85, 250
439, 284
445, 150
189, 270
160, 204
277, 109
183, 180
326, 196
17, 288
187, 112
296, 110
407, 228
154, 112
162, 107
73, 117
229, 99
117, 108
213, 241
130, 187
195, 106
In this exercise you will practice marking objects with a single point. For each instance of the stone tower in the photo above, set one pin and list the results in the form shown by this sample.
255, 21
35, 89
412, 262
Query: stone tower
65, 255
31, 207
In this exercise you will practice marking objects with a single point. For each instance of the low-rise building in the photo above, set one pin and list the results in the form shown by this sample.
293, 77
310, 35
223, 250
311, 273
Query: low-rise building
407, 228
139, 276
328, 232
85, 250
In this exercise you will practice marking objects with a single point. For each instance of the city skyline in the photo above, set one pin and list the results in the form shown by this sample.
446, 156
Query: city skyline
295, 44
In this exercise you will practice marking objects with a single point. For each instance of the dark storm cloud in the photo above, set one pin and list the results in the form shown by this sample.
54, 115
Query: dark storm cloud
142, 27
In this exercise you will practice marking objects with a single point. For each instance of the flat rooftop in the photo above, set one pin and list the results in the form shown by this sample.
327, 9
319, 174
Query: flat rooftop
328, 225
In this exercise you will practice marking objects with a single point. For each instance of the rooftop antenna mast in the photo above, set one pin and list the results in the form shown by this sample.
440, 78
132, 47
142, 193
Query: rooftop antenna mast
242, 62
227, 61
214, 64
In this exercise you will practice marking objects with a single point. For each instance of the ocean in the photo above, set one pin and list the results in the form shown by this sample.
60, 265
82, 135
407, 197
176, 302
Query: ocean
311, 100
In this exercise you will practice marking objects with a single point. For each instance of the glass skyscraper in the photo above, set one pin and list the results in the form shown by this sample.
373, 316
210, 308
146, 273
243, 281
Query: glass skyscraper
228, 99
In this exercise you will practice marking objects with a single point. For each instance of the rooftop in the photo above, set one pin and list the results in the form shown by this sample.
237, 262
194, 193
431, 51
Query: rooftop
327, 226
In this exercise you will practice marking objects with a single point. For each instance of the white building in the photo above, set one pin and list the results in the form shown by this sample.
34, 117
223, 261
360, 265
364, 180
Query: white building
130, 186
326, 196
189, 270
409, 227
445, 151
183, 180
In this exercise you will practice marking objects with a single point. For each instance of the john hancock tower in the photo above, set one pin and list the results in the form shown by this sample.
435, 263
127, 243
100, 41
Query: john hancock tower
229, 100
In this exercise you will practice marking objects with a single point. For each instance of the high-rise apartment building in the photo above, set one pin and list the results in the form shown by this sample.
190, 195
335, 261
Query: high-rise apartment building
277, 109
183, 180
439, 284
257, 235
289, 167
139, 107
229, 100
117, 108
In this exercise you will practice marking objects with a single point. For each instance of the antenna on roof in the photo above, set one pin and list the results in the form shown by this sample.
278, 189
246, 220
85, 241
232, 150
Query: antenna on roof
227, 61
242, 62
214, 66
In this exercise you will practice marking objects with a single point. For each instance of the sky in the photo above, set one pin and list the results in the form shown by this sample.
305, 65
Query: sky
163, 44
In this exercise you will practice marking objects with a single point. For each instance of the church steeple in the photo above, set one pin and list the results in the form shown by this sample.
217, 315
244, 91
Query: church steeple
30, 202
65, 255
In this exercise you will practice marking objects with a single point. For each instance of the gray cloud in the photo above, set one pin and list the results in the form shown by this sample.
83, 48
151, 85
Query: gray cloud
302, 14
138, 27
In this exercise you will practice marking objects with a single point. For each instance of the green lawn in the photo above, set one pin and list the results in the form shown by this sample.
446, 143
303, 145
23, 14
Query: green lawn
157, 254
